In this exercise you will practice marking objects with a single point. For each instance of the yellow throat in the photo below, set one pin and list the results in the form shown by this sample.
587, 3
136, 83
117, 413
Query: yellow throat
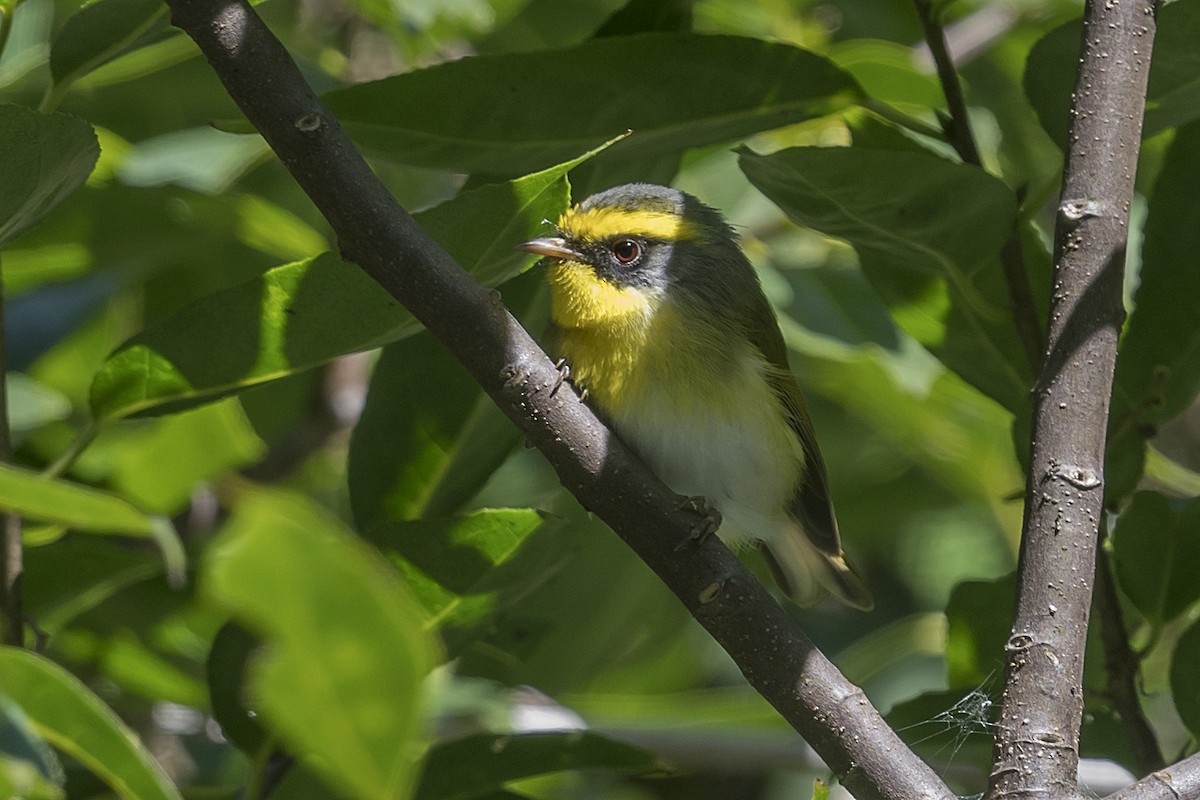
618, 340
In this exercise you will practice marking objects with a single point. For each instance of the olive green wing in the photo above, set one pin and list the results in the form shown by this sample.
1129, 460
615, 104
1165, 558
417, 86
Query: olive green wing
810, 506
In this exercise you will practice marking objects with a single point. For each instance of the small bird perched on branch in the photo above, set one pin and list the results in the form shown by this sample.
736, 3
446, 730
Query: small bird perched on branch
662, 320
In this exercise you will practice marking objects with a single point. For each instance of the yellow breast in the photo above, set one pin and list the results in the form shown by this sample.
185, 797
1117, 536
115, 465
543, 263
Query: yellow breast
622, 342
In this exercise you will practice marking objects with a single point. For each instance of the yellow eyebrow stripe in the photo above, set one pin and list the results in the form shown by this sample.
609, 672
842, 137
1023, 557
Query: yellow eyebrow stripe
598, 224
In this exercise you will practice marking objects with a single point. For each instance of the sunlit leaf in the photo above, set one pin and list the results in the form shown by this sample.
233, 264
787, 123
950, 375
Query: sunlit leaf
518, 112
69, 716
81, 507
300, 315
295, 576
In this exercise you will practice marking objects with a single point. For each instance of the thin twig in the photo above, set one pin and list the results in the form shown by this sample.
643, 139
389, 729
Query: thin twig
1122, 665
375, 233
958, 132
958, 126
1036, 750
12, 616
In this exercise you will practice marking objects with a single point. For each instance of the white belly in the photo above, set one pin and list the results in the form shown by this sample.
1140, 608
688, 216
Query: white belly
744, 462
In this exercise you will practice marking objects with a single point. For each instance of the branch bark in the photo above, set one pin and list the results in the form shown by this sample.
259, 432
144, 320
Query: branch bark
1036, 751
375, 233
1177, 782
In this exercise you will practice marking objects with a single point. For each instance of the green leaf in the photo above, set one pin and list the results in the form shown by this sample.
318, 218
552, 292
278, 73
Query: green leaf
83, 508
421, 446
464, 570
411, 436
32, 405
1185, 678
28, 766
1158, 365
76, 573
231, 652
1156, 546
97, 32
496, 759
160, 466
1173, 92
518, 112
642, 16
88, 510
928, 233
69, 716
341, 682
977, 630
44, 159
21, 779
300, 315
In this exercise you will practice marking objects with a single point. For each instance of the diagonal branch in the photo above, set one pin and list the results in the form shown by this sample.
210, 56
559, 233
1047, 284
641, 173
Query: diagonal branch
1179, 781
958, 132
375, 233
1036, 751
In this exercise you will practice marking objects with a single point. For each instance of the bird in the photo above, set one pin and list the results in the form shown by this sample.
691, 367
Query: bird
663, 325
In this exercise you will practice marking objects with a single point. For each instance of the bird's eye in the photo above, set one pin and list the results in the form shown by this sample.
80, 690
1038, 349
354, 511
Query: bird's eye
626, 251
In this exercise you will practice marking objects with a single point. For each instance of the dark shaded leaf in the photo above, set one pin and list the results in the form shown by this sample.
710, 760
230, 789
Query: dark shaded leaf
928, 233
1156, 547
495, 759
45, 157
519, 112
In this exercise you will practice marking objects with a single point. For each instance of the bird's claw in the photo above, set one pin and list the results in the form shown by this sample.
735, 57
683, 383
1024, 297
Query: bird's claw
564, 372
706, 526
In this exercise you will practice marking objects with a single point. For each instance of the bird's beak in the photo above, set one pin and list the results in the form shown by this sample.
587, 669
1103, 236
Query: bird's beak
552, 247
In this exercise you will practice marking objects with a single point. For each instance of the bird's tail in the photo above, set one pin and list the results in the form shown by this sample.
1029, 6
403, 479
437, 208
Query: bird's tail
806, 573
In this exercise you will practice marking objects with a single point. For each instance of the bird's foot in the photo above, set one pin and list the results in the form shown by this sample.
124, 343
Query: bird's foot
706, 526
564, 372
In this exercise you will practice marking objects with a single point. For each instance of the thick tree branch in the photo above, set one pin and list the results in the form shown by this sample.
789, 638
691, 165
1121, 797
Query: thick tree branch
377, 235
958, 132
1036, 751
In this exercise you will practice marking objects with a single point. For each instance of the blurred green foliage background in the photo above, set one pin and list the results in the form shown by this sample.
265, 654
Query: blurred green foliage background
279, 533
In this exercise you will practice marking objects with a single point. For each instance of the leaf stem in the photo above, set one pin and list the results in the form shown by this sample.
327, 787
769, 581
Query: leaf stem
1122, 666
82, 439
957, 130
898, 117
12, 556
